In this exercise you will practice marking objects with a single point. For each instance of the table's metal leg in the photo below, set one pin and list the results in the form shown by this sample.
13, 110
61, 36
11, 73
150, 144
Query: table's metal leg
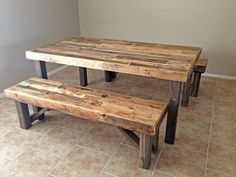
196, 83
83, 76
41, 71
109, 76
173, 107
186, 92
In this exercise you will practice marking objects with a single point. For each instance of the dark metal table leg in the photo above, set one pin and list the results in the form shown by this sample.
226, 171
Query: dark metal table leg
109, 76
196, 83
41, 71
186, 92
173, 107
23, 114
83, 76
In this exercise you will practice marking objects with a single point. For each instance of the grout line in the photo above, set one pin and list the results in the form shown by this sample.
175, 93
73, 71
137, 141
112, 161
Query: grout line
165, 173
99, 152
210, 132
158, 157
226, 174
45, 152
111, 157
109, 174
58, 163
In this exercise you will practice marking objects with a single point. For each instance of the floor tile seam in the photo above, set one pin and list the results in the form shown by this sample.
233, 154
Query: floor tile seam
89, 149
110, 158
210, 133
59, 162
157, 160
217, 171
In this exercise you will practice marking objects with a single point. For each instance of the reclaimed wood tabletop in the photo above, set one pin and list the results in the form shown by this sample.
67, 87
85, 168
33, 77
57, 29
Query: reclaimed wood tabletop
167, 62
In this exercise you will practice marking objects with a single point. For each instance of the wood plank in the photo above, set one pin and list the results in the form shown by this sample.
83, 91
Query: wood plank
201, 65
128, 112
147, 59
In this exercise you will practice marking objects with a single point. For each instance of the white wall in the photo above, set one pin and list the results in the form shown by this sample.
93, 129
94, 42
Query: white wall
26, 24
210, 24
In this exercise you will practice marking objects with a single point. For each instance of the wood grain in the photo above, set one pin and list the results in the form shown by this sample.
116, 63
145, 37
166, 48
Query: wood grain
201, 65
127, 112
147, 59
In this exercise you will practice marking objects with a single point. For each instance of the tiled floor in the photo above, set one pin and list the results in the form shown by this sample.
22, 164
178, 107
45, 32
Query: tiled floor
65, 146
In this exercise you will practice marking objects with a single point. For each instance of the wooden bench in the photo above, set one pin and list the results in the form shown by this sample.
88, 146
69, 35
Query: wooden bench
191, 87
200, 67
126, 112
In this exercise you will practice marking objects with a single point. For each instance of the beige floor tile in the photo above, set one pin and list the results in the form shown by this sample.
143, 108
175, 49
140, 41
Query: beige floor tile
193, 139
125, 162
222, 158
31, 163
224, 135
161, 174
17, 141
200, 105
52, 119
81, 163
103, 138
8, 122
78, 124
59, 142
211, 173
192, 120
3, 162
181, 162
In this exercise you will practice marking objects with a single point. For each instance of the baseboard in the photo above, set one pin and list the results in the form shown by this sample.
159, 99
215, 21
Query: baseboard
220, 76
49, 74
57, 70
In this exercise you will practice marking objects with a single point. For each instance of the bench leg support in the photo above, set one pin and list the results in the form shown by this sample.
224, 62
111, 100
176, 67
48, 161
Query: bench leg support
196, 83
155, 141
41, 71
24, 116
186, 92
110, 76
83, 76
173, 107
145, 151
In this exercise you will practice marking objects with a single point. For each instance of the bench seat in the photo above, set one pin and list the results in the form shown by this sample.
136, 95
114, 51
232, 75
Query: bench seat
127, 112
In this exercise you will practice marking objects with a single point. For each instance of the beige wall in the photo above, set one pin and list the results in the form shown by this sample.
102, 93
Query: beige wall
26, 24
210, 24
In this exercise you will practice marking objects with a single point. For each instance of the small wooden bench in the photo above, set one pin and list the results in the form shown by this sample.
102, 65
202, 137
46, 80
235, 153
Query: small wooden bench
200, 67
126, 112
191, 87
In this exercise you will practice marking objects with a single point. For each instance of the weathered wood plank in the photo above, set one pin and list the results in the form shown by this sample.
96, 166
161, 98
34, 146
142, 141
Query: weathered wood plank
147, 59
201, 65
128, 112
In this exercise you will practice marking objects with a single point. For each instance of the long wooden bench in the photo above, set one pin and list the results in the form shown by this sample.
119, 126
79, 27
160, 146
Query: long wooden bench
126, 112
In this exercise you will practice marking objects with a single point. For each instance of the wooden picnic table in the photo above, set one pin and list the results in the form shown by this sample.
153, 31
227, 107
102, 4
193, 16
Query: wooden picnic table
169, 62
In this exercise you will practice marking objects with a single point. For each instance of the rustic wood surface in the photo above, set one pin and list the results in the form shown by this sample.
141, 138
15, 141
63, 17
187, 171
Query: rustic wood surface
128, 112
201, 65
148, 59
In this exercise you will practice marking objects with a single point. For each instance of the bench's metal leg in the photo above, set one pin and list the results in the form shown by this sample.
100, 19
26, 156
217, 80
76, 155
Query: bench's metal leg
24, 116
36, 110
83, 76
186, 92
196, 83
173, 107
109, 76
41, 71
145, 150
155, 141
